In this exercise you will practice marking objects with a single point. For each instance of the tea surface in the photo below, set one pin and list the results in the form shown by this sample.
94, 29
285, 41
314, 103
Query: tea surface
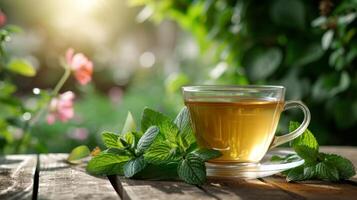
241, 130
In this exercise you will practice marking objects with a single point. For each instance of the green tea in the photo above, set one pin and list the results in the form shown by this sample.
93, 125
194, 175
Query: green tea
242, 130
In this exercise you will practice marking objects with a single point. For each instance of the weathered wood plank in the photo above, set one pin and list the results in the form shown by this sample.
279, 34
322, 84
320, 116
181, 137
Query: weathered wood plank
246, 189
220, 189
166, 190
59, 180
316, 189
17, 176
321, 189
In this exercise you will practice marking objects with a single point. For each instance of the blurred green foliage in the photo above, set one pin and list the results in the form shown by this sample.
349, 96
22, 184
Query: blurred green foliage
14, 114
310, 47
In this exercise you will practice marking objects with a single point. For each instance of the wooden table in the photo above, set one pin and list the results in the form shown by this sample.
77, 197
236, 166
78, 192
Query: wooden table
48, 176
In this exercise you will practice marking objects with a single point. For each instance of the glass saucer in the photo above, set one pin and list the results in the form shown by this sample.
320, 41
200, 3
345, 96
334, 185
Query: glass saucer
252, 171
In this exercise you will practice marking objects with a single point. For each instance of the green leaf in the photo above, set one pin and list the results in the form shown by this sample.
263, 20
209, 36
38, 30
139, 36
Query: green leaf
13, 28
160, 153
327, 39
308, 154
286, 159
296, 174
134, 166
107, 164
78, 153
262, 63
129, 125
207, 154
130, 139
168, 129
276, 158
328, 85
165, 171
306, 139
192, 170
22, 67
175, 81
183, 122
326, 171
289, 14
111, 140
147, 139
344, 166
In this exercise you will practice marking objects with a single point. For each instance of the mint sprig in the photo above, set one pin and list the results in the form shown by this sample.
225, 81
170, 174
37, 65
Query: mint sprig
164, 148
318, 165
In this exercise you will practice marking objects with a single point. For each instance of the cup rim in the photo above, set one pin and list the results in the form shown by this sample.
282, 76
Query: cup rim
227, 88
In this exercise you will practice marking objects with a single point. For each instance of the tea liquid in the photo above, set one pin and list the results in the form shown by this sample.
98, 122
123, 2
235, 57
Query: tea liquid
242, 129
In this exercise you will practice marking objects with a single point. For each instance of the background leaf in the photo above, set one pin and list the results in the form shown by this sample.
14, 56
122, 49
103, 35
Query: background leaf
262, 63
78, 153
22, 67
327, 39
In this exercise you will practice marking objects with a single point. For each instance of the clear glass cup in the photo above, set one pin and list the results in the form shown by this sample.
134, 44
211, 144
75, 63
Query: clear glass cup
240, 121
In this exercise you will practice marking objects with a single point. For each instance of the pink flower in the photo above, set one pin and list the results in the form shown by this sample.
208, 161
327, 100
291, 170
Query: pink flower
61, 108
80, 65
2, 18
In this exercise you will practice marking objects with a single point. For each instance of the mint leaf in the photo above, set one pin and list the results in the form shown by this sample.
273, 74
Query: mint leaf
130, 139
326, 171
308, 154
107, 164
121, 152
129, 125
160, 153
287, 158
192, 170
306, 139
207, 154
183, 122
78, 153
168, 128
134, 166
147, 139
309, 171
137, 135
296, 174
344, 167
300, 173
111, 140
165, 171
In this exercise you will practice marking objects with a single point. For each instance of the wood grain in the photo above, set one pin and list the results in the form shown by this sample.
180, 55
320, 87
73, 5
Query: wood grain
246, 189
59, 180
16, 176
166, 190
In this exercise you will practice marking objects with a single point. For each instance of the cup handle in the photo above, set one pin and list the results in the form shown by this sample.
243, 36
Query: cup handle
278, 140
